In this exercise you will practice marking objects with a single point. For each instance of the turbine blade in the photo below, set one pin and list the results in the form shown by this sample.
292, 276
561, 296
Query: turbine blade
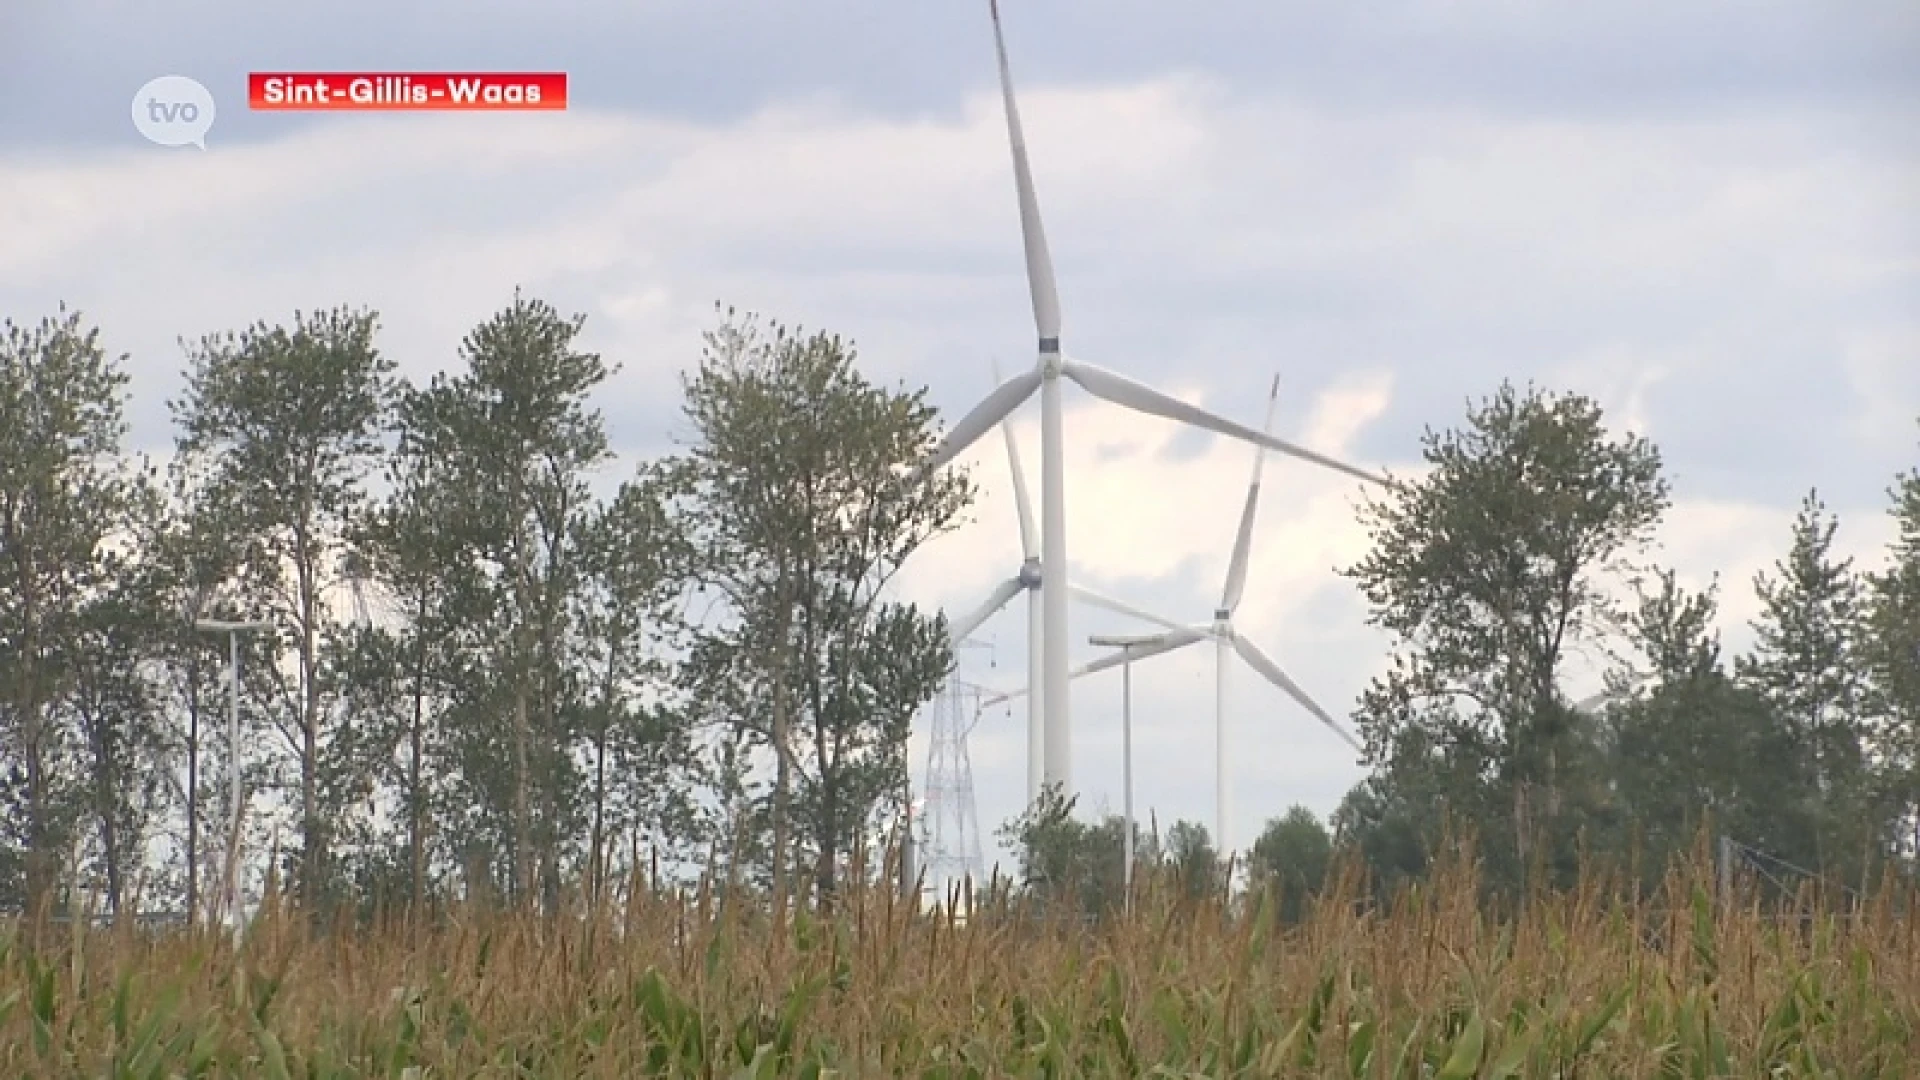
1046, 302
1165, 643
992, 409
1121, 607
1022, 504
1121, 390
959, 630
1243, 541
1262, 663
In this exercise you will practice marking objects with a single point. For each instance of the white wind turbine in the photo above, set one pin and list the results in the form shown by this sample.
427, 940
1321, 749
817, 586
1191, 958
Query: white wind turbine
1045, 377
1028, 579
1227, 640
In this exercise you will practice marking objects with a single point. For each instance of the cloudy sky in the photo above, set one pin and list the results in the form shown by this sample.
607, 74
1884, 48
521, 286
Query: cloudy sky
1705, 215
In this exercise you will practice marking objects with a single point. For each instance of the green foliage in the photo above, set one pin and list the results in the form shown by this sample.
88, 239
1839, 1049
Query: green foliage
801, 501
1069, 864
1699, 745
1292, 854
563, 681
64, 494
1889, 651
287, 424
1806, 664
512, 441
1488, 570
634, 563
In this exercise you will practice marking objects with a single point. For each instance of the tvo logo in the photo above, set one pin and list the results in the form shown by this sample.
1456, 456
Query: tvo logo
173, 110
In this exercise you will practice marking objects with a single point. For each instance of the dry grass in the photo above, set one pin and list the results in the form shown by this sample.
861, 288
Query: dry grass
1576, 985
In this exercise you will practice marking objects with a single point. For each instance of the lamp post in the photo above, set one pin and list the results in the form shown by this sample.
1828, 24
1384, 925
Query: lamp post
233, 630
1127, 645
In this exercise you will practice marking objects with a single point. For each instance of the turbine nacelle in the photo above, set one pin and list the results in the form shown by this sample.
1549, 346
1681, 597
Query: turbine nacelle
1030, 573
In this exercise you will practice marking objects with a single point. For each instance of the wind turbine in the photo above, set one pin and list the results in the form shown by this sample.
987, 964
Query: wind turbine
1045, 377
1028, 579
1226, 641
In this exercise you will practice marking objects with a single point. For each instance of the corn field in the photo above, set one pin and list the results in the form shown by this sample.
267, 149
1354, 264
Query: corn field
674, 983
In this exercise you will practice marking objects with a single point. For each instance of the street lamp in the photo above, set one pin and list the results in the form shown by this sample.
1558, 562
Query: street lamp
233, 630
1127, 646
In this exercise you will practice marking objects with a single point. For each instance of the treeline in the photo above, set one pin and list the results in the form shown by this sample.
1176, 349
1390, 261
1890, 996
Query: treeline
1528, 543
489, 678
483, 678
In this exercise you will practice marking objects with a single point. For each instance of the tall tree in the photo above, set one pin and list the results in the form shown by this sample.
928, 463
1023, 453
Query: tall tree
191, 555
634, 560
63, 493
1805, 662
518, 441
1488, 570
406, 677
111, 696
292, 422
1699, 746
803, 503
1890, 654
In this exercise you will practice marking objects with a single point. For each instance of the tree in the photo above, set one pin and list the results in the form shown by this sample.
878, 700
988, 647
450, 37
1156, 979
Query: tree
1293, 854
113, 698
1194, 861
1805, 663
62, 496
1487, 571
1699, 746
1063, 859
1889, 651
516, 439
292, 422
802, 501
190, 557
634, 562
1384, 821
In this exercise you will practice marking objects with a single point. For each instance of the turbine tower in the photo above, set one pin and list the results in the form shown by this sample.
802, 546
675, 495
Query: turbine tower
1045, 377
1028, 580
1228, 641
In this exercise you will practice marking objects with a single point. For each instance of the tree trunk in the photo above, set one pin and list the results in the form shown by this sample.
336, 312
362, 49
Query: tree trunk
416, 847
105, 799
826, 830
597, 847
39, 861
782, 785
595, 851
193, 788
523, 866
416, 738
312, 828
28, 705
110, 842
825, 880
522, 811
783, 769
